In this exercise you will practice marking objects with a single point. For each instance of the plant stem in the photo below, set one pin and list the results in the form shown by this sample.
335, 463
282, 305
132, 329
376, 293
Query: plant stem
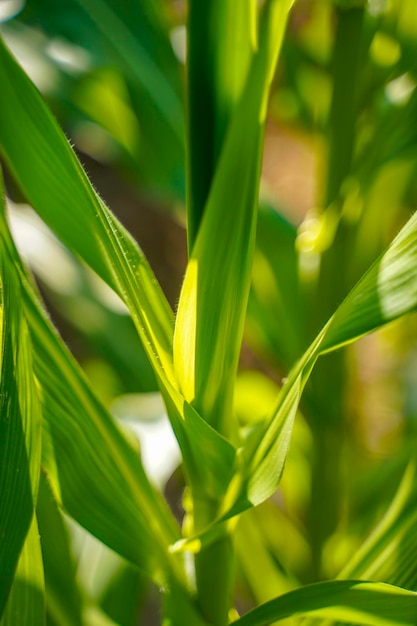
329, 377
214, 571
346, 69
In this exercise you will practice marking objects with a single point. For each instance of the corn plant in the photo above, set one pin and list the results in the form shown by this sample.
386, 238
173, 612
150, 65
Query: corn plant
64, 453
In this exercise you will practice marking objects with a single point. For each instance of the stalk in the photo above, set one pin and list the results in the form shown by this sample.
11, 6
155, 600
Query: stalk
346, 71
214, 568
329, 377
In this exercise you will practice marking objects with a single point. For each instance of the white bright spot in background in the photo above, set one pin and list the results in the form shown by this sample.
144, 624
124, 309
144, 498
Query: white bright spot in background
145, 414
51, 261
178, 37
10, 8
42, 251
399, 90
70, 57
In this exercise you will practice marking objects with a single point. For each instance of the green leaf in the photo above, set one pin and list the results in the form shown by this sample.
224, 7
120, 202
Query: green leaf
26, 603
94, 472
120, 35
387, 552
353, 602
212, 306
54, 182
387, 291
132, 37
20, 423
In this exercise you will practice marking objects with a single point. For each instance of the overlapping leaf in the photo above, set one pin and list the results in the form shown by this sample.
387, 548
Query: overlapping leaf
387, 291
134, 38
58, 188
388, 553
95, 473
209, 326
54, 182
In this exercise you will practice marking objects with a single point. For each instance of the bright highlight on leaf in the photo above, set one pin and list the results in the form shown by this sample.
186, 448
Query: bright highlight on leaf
387, 291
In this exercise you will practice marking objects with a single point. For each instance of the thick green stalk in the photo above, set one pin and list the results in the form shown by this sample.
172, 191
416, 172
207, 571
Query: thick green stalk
214, 567
345, 70
329, 378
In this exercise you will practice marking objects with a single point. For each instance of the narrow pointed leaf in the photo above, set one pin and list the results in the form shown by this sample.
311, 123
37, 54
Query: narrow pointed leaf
353, 602
132, 55
387, 291
54, 182
95, 473
212, 307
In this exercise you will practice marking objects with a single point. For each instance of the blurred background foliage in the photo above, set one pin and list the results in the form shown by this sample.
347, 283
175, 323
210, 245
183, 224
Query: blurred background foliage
339, 179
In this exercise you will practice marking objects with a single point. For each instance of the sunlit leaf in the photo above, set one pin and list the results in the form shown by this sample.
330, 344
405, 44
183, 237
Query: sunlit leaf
54, 182
212, 307
387, 291
58, 188
95, 474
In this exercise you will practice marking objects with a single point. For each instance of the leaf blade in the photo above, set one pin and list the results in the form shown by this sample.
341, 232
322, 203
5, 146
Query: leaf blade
366, 604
